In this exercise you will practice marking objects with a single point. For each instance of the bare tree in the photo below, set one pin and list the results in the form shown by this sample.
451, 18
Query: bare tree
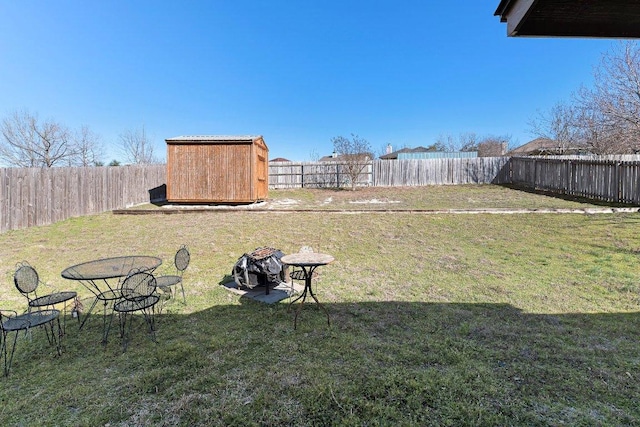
560, 124
610, 111
444, 143
314, 155
137, 147
87, 148
355, 154
437, 146
605, 118
466, 141
494, 145
469, 141
27, 142
597, 135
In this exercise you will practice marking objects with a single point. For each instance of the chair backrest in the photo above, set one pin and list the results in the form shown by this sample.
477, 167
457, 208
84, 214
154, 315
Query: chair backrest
26, 279
138, 285
182, 259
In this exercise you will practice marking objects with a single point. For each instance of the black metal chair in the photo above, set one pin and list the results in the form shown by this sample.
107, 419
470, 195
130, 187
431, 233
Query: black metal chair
24, 322
138, 294
27, 280
168, 283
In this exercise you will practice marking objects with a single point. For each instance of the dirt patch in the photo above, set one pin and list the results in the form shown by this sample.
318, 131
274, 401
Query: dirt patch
373, 202
280, 203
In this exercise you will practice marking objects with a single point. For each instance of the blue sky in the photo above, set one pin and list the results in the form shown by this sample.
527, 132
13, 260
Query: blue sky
398, 72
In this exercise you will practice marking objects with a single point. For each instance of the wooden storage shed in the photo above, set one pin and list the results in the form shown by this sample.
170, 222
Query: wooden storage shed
217, 169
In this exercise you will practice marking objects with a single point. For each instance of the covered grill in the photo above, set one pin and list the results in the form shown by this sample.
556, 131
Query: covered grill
261, 267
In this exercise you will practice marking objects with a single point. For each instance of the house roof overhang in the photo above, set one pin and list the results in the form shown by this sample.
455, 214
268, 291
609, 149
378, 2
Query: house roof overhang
571, 18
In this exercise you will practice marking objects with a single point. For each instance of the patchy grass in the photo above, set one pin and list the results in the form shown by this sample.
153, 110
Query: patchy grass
422, 198
436, 320
465, 197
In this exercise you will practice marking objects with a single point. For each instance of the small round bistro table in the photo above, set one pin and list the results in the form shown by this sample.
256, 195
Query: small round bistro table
308, 262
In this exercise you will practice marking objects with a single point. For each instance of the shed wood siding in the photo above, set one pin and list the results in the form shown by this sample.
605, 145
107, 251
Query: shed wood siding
217, 171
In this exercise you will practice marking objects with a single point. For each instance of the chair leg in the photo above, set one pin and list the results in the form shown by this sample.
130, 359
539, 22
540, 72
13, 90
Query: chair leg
123, 330
184, 299
7, 366
57, 343
49, 329
163, 301
106, 327
150, 320
3, 348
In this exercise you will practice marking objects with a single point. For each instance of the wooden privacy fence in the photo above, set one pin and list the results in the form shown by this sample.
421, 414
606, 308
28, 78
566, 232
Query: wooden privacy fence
389, 173
606, 180
34, 196
40, 196
314, 175
413, 172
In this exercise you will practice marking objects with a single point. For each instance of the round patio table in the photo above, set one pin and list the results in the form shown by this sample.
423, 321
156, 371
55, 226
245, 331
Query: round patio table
102, 278
308, 262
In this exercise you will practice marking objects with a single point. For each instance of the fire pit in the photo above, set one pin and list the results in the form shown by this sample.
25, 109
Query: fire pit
261, 267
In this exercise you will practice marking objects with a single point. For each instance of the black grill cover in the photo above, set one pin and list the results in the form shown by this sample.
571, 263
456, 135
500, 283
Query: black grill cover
260, 267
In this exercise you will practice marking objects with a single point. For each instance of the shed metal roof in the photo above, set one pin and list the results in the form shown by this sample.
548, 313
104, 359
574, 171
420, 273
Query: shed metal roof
216, 140
199, 138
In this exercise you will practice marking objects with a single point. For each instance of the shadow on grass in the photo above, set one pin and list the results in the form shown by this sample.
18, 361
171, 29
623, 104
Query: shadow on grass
400, 363
567, 197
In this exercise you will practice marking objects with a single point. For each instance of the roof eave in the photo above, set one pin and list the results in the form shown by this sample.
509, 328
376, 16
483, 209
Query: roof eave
502, 9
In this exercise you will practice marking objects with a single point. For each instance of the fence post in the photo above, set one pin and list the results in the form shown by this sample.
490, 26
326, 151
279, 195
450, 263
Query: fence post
567, 185
373, 174
618, 184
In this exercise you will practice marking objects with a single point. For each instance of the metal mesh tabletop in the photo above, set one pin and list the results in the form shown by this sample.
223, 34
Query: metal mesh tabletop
307, 259
99, 277
109, 268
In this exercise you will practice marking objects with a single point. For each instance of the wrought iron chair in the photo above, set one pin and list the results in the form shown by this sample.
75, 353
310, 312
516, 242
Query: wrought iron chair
15, 323
26, 280
138, 294
168, 283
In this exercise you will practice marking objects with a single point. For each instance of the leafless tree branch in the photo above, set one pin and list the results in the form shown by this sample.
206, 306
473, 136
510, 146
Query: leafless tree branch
137, 147
355, 154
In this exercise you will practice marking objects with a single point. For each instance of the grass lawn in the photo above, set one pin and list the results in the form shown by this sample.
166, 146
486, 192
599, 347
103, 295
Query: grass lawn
522, 319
